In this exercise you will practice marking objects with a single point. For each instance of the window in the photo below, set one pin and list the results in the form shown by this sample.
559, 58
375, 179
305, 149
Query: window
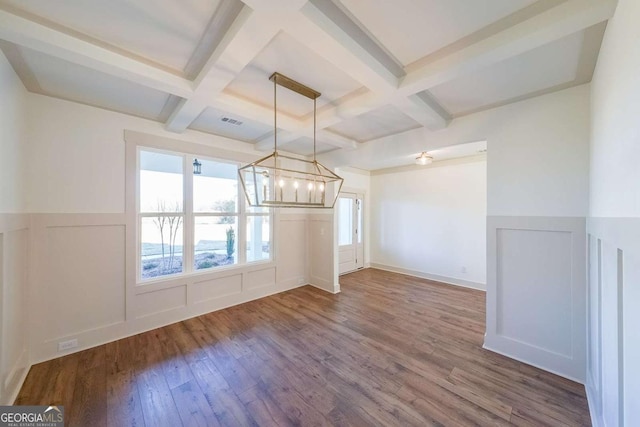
345, 221
189, 223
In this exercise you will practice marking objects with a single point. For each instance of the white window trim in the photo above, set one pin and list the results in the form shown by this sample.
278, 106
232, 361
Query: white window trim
135, 142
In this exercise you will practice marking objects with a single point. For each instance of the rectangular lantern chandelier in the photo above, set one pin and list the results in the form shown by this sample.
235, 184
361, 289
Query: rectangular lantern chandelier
284, 181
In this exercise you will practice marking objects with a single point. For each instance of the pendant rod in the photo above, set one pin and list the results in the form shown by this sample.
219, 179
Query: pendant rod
275, 117
314, 130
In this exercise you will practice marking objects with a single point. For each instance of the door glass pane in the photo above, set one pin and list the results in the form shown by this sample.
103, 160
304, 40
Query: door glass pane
360, 221
345, 221
161, 245
160, 182
258, 238
215, 241
216, 188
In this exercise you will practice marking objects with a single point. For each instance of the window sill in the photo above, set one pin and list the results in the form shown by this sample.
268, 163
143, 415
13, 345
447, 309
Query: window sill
213, 273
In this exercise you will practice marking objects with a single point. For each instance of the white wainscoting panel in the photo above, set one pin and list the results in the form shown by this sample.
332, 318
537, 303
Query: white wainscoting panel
594, 325
536, 292
160, 301
83, 287
14, 304
85, 284
323, 257
613, 380
293, 272
533, 270
261, 279
211, 289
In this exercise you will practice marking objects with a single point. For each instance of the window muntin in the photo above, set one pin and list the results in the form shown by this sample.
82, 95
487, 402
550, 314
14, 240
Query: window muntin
192, 223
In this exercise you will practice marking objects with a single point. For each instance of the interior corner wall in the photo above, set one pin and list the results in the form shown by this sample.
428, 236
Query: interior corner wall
538, 168
613, 372
430, 221
14, 235
12, 141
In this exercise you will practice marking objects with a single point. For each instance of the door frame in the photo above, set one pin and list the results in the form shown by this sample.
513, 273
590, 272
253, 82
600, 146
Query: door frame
359, 197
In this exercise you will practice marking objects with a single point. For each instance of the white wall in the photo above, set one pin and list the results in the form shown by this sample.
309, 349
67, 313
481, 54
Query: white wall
14, 229
80, 203
430, 221
77, 156
539, 152
537, 207
613, 380
12, 140
539, 156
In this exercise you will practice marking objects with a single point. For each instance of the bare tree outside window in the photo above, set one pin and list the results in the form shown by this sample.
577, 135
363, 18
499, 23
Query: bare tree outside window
169, 229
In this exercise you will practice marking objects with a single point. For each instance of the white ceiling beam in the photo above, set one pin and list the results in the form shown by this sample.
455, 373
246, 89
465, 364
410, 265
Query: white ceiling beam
250, 32
41, 38
323, 136
554, 24
256, 112
319, 33
326, 30
338, 141
266, 143
290, 128
275, 6
430, 116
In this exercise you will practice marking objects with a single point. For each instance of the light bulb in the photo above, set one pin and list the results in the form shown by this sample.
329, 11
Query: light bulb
281, 183
310, 186
321, 187
295, 184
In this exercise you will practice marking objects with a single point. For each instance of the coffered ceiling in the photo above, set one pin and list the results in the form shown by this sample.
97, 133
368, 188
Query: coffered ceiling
383, 67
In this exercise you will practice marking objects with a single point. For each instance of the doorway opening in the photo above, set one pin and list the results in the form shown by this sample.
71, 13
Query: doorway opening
350, 232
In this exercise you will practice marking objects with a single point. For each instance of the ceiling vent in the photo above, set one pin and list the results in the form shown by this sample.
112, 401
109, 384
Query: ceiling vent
231, 121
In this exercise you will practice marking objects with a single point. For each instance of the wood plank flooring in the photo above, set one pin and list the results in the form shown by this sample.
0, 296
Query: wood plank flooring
388, 350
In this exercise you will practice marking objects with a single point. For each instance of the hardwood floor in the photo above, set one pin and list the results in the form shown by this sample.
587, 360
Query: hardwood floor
389, 350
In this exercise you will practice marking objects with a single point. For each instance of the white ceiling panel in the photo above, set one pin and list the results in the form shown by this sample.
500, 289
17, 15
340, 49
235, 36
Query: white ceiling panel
66, 80
163, 31
538, 69
289, 57
229, 125
304, 146
412, 29
375, 124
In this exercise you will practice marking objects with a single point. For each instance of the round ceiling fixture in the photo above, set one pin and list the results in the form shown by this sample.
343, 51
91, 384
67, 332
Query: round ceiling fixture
424, 159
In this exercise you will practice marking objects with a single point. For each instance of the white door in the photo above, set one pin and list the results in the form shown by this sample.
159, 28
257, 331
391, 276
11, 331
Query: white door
350, 238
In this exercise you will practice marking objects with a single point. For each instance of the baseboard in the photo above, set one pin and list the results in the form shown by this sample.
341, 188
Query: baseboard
595, 420
336, 288
528, 362
444, 279
13, 395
